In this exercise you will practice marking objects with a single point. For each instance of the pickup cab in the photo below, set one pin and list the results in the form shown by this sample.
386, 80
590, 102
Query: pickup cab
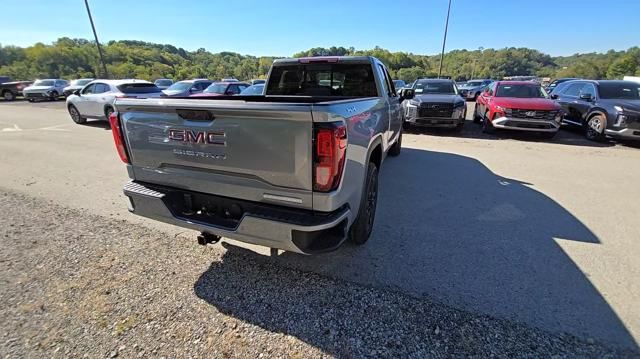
295, 169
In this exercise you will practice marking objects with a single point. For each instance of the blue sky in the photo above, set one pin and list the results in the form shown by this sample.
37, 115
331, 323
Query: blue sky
284, 27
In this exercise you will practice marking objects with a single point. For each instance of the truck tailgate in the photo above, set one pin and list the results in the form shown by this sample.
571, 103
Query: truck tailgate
254, 151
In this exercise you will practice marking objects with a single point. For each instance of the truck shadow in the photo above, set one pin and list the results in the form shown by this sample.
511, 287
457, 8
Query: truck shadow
566, 135
449, 229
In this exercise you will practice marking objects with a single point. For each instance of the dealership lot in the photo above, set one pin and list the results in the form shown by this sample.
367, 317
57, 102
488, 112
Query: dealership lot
510, 226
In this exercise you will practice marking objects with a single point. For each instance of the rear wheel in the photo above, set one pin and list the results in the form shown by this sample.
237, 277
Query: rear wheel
487, 127
595, 128
361, 229
30, 100
9, 96
75, 115
54, 95
397, 147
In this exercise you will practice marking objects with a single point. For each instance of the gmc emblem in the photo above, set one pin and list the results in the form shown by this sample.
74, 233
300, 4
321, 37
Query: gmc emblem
217, 137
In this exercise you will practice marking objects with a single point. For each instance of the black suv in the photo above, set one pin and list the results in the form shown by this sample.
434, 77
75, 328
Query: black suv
603, 107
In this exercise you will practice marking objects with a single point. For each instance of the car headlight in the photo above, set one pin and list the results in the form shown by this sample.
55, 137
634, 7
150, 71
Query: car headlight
621, 121
458, 104
558, 117
501, 109
413, 103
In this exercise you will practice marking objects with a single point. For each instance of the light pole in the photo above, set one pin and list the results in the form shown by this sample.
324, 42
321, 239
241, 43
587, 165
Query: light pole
444, 41
104, 65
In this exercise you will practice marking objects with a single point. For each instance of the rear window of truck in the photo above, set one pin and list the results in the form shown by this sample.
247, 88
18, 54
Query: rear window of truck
339, 80
138, 88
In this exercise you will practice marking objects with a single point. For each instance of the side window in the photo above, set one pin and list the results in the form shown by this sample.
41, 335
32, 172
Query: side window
392, 86
242, 87
202, 85
588, 88
101, 88
89, 89
383, 80
233, 89
491, 89
573, 89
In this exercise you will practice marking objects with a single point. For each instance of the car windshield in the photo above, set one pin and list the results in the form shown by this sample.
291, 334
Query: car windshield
622, 91
81, 82
434, 87
163, 82
44, 83
398, 83
216, 88
253, 90
521, 91
180, 86
474, 83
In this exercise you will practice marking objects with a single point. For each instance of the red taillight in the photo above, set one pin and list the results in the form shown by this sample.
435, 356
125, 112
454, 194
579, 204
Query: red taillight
116, 130
330, 149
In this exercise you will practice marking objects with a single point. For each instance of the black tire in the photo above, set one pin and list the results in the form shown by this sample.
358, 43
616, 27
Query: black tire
476, 117
30, 100
362, 227
475, 97
395, 150
54, 95
594, 128
8, 96
406, 125
459, 127
75, 115
108, 111
487, 127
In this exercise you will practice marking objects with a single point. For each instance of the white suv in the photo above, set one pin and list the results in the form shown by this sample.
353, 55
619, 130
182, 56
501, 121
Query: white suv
50, 89
95, 100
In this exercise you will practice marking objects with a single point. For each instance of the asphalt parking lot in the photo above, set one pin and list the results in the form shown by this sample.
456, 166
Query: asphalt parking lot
542, 233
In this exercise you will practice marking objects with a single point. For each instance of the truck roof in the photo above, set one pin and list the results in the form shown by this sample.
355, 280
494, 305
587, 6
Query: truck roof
327, 59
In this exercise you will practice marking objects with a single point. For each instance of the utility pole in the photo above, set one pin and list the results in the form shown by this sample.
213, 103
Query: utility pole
93, 27
444, 41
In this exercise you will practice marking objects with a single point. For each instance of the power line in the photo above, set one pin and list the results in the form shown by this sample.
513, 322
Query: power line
444, 41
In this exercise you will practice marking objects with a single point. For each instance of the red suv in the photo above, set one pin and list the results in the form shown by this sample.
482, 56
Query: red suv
517, 105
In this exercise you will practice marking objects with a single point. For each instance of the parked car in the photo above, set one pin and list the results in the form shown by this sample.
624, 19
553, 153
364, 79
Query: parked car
253, 90
557, 82
472, 89
517, 105
223, 88
235, 175
187, 87
4, 79
163, 84
74, 86
96, 99
601, 108
436, 103
258, 82
230, 79
10, 90
50, 89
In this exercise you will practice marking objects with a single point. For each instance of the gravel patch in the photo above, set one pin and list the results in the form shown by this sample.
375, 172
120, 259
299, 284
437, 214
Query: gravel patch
78, 285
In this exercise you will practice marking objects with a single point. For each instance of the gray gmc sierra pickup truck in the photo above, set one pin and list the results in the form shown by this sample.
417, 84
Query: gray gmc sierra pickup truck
295, 169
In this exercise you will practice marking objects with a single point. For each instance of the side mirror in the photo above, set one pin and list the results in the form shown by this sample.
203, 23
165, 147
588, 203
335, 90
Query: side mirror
586, 97
193, 90
553, 96
407, 94
77, 93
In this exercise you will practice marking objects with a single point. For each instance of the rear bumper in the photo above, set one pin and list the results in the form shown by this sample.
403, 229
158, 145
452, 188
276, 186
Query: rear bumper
522, 124
627, 133
272, 226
